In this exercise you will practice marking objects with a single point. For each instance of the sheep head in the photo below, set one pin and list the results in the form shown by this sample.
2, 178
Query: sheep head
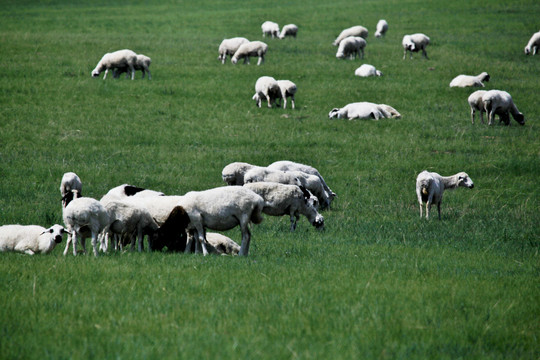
464, 180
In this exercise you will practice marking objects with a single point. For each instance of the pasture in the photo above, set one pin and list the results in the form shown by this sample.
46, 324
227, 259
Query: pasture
378, 282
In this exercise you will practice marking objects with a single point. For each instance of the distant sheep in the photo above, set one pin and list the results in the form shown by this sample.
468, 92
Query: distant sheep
118, 59
270, 28
142, 63
288, 89
267, 88
352, 31
430, 187
470, 80
229, 47
70, 187
533, 44
382, 27
30, 239
288, 30
476, 104
351, 47
252, 48
364, 110
415, 43
367, 70
497, 102
233, 173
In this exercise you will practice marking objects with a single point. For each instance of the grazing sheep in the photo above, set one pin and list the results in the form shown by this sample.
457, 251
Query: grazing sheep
142, 63
30, 239
352, 31
118, 59
288, 89
233, 173
533, 44
351, 47
125, 191
415, 43
367, 70
364, 110
270, 28
469, 80
476, 104
430, 187
252, 48
229, 47
382, 27
497, 102
266, 87
292, 200
288, 30
172, 232
70, 188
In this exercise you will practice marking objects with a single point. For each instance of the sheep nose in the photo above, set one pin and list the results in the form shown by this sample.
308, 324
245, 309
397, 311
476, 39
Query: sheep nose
58, 239
472, 185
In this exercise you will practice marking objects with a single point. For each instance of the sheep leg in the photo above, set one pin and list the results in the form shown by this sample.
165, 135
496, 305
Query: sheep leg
490, 117
140, 239
132, 69
424, 53
68, 241
29, 252
292, 101
269, 101
472, 116
189, 242
404, 54
428, 205
439, 209
149, 74
94, 243
362, 53
246, 238
74, 239
261, 60
106, 72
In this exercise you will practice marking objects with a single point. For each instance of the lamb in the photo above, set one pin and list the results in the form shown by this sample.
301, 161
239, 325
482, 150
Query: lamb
252, 48
476, 104
350, 47
497, 102
469, 80
70, 187
352, 31
118, 59
30, 239
142, 63
233, 173
382, 27
533, 44
415, 43
430, 187
287, 89
229, 47
364, 110
270, 28
266, 87
288, 30
292, 200
367, 70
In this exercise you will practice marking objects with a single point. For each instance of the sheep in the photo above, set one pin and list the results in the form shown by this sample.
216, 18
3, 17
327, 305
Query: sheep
367, 70
292, 200
476, 104
252, 48
233, 173
172, 231
364, 110
351, 47
142, 63
382, 27
533, 44
124, 191
287, 89
221, 244
430, 187
30, 239
229, 47
270, 28
266, 87
497, 102
470, 80
352, 31
288, 30
70, 187
415, 43
118, 59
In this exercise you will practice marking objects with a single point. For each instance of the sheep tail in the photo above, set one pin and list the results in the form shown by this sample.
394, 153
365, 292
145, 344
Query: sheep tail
256, 214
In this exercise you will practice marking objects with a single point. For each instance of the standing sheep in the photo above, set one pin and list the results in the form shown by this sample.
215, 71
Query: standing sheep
142, 63
229, 47
469, 80
415, 43
270, 28
288, 30
118, 59
70, 187
268, 88
367, 70
382, 27
125, 191
476, 104
364, 110
352, 31
497, 102
30, 239
288, 89
351, 47
252, 48
533, 44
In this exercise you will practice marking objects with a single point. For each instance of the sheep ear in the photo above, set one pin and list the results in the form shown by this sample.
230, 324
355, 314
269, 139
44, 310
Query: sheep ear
306, 193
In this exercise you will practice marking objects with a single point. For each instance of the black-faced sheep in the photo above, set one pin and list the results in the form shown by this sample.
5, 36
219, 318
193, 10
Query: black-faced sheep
352, 31
470, 80
30, 239
118, 59
415, 43
498, 102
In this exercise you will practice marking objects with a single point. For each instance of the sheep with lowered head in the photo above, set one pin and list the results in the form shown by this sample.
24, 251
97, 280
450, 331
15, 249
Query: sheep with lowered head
352, 31
382, 27
118, 59
30, 239
288, 30
288, 89
229, 47
142, 63
70, 187
476, 104
415, 43
470, 80
364, 110
533, 44
252, 48
267, 88
233, 173
498, 102
367, 70
351, 47
270, 28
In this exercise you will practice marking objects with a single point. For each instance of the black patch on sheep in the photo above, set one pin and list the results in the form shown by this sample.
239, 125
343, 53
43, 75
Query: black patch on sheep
131, 190
172, 233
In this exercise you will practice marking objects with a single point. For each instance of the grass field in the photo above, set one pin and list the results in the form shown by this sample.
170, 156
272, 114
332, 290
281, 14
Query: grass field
379, 282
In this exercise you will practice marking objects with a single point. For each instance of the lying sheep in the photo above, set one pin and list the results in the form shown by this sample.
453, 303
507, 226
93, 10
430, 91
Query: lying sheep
142, 63
533, 44
287, 89
292, 200
267, 88
382, 27
252, 48
233, 173
70, 187
364, 110
476, 104
352, 31
367, 70
469, 80
497, 102
30, 239
118, 59
415, 43
221, 244
351, 47
430, 187
229, 47
270, 28
288, 30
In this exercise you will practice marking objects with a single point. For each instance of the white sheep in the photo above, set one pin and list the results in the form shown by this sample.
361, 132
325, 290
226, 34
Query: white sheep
367, 70
233, 173
30, 239
498, 102
533, 44
270, 28
476, 104
364, 110
142, 63
415, 43
351, 47
125, 191
287, 89
220, 244
292, 200
470, 80
252, 48
352, 31
382, 27
288, 30
70, 187
267, 88
118, 59
430, 187
229, 47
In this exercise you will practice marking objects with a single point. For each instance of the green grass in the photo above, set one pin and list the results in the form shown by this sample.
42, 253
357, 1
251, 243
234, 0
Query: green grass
379, 282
